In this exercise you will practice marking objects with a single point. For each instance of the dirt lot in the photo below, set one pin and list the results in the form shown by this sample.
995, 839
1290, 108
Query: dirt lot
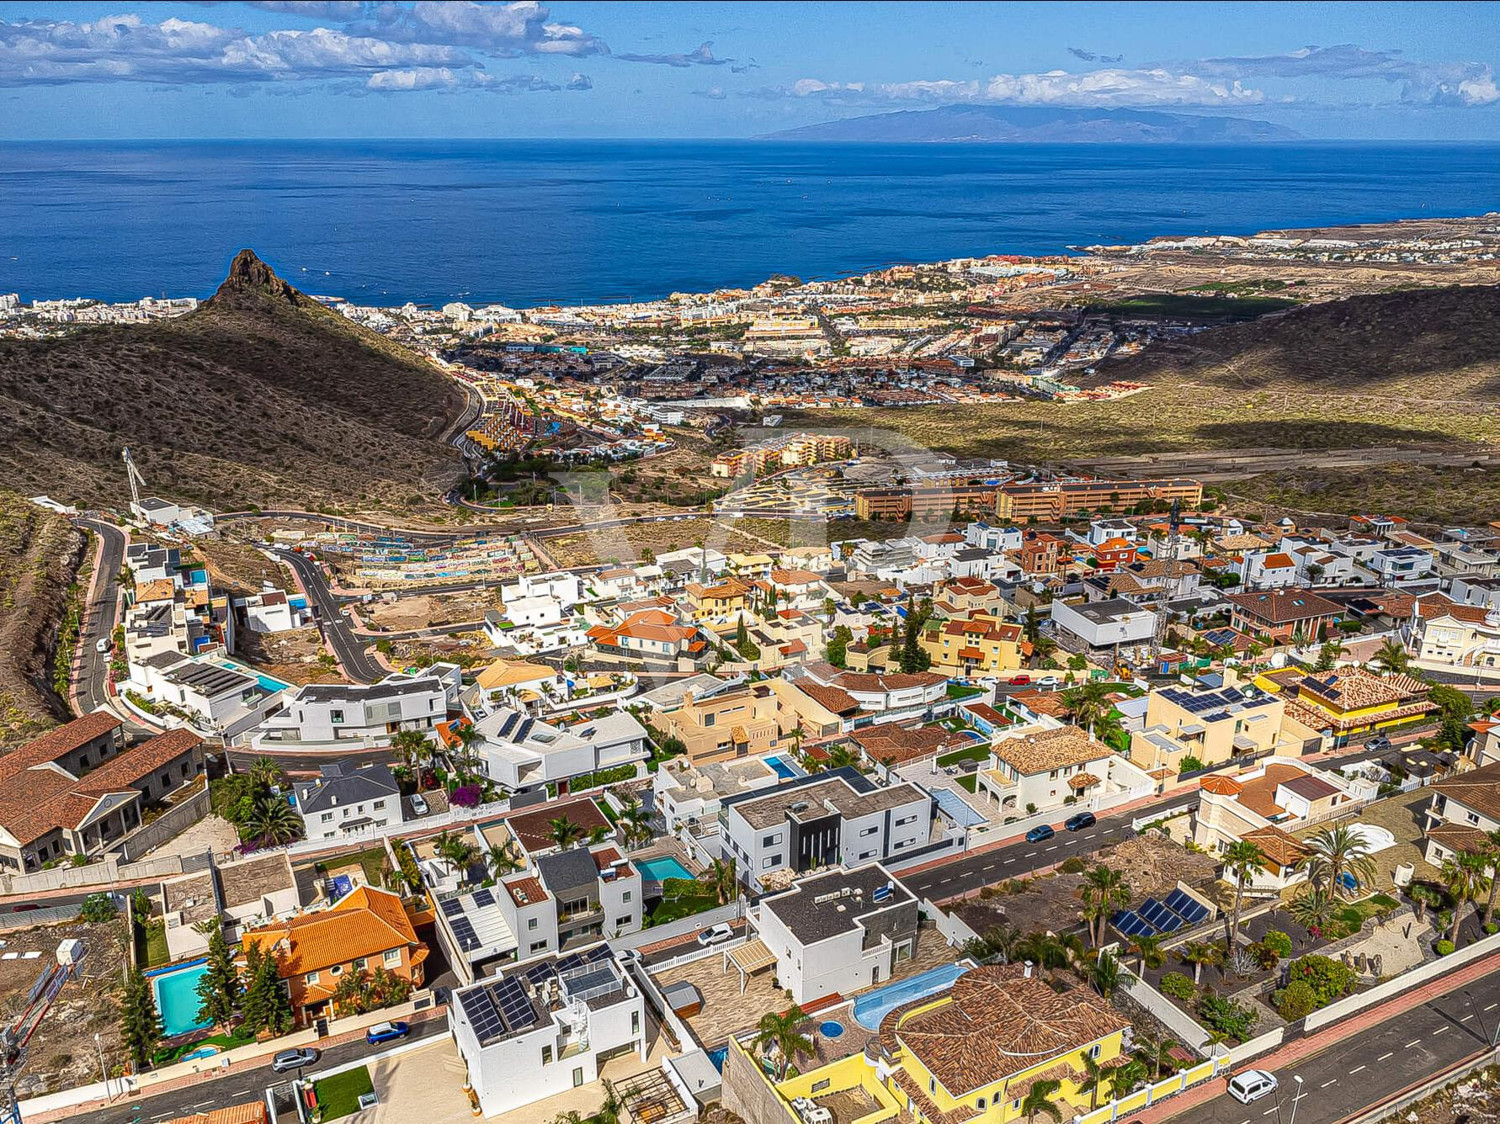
429, 611
1474, 1099
1151, 864
241, 568
293, 655
467, 649
62, 1052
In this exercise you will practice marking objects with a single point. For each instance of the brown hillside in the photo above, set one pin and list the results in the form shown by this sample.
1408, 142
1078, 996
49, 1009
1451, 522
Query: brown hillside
1436, 344
260, 396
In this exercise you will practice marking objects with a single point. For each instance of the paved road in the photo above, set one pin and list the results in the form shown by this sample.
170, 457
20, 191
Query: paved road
100, 622
350, 649
241, 1083
1372, 1065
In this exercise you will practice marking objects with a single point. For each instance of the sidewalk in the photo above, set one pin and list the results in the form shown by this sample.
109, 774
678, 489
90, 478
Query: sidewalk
1303, 1048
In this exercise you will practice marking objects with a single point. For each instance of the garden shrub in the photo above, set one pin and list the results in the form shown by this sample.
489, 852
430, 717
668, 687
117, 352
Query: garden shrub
1328, 979
1177, 986
1444, 947
1296, 1001
1226, 1016
1279, 941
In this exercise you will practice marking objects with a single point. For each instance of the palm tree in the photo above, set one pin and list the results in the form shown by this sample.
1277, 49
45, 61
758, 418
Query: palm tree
1242, 860
467, 737
842, 757
1199, 953
1092, 1080
1334, 852
1491, 852
563, 832
1393, 655
1311, 909
1042, 949
1105, 974
455, 850
265, 772
1002, 941
1147, 946
1038, 1100
722, 876
409, 745
1089, 704
1123, 1078
611, 1111
275, 821
1104, 892
635, 825
783, 1032
501, 861
1463, 878
1155, 1053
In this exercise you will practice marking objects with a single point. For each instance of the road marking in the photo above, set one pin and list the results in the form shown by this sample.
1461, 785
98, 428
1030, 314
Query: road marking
942, 880
1327, 1083
989, 866
1269, 1111
1053, 847
1492, 1006
1413, 1042
1383, 1057
1466, 1018
1355, 1070
1440, 1030
1107, 830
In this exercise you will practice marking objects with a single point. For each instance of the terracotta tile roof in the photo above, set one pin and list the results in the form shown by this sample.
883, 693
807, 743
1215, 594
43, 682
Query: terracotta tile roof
366, 922
1459, 837
997, 1022
134, 765
1276, 845
252, 1112
1050, 749
59, 742
1284, 606
872, 682
832, 699
525, 890
158, 589
1259, 793
929, 1109
1082, 781
892, 744
531, 827
1220, 786
1478, 790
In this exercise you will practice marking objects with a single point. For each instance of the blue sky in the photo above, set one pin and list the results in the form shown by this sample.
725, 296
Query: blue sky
394, 68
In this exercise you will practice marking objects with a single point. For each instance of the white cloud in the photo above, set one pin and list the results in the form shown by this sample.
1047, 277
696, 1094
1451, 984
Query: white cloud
502, 30
702, 55
1436, 83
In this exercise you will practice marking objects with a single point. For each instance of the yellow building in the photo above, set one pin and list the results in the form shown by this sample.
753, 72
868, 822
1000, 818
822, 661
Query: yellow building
1349, 700
721, 606
979, 643
1210, 725
971, 1053
725, 727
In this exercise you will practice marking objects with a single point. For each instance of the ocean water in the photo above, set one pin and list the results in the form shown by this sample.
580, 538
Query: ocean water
525, 223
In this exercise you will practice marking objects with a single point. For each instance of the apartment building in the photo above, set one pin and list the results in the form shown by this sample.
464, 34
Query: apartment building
977, 643
1210, 724
739, 723
925, 501
1051, 501
357, 714
823, 820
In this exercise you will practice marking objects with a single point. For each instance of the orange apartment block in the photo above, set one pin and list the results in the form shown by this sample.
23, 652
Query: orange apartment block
1045, 502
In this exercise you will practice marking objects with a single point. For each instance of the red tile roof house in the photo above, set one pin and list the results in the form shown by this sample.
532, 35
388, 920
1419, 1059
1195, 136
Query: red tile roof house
1281, 614
74, 792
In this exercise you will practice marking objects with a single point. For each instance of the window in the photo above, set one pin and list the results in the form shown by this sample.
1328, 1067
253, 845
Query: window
869, 831
538, 946
392, 958
546, 1055
578, 1077
361, 964
335, 716
770, 840
327, 817
531, 923
627, 895
932, 1084
981, 1102
1094, 1051
866, 855
312, 977
765, 863
819, 1086
379, 804
906, 820
336, 970
635, 1022
1472, 817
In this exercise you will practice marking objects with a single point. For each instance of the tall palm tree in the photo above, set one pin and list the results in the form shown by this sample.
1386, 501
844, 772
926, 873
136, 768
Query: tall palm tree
274, 821
635, 825
457, 851
1104, 892
1491, 853
564, 832
1042, 949
1124, 1078
1147, 947
1242, 860
1334, 852
722, 876
1463, 878
1311, 909
468, 738
501, 861
783, 1033
266, 772
1393, 655
1089, 704
1038, 1100
1104, 974
409, 745
1092, 1081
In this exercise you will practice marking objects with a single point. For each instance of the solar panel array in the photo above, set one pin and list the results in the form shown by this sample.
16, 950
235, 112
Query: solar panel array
569, 962
539, 974
484, 898
452, 907
602, 952
468, 940
515, 1008
479, 1009
511, 720
1153, 917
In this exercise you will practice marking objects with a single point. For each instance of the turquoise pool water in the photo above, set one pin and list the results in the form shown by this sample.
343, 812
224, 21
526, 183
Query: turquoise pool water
783, 769
268, 683
869, 1009
660, 869
177, 999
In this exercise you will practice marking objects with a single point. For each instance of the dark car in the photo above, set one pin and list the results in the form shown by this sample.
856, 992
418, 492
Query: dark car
288, 1060
1037, 834
1080, 821
386, 1032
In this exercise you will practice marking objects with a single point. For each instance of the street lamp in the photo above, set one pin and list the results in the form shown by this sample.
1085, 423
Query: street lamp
103, 1072
1300, 1094
1492, 1039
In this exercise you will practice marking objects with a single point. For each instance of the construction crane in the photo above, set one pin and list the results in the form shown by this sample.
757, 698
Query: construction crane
137, 481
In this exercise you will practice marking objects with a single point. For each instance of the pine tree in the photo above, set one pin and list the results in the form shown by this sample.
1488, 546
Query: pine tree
140, 1028
219, 986
279, 1019
267, 1007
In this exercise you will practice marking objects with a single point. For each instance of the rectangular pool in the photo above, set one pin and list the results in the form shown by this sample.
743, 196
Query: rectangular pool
661, 868
782, 769
870, 1008
176, 992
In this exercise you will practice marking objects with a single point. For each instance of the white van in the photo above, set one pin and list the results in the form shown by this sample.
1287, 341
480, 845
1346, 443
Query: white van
102, 645
1252, 1085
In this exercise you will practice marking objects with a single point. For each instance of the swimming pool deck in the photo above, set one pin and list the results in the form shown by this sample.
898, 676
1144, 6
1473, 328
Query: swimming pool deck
725, 1011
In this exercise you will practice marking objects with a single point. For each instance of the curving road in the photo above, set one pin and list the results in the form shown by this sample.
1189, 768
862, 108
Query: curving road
350, 649
99, 624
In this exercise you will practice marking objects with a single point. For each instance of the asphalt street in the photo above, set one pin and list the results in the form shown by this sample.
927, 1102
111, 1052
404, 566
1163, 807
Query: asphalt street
238, 1084
350, 649
1371, 1065
99, 624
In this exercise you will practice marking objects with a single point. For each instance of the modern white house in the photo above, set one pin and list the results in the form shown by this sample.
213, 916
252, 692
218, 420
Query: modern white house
519, 752
688, 795
344, 800
823, 820
1103, 624
273, 611
1049, 769
239, 894
217, 698
546, 1026
342, 714
838, 931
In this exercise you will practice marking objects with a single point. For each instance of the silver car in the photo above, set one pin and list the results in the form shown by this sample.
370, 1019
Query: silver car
288, 1060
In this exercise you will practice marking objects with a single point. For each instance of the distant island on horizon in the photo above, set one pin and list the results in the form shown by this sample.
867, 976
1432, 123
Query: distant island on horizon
1001, 124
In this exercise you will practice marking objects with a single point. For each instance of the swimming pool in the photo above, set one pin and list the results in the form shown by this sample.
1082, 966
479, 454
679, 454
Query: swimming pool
869, 1009
661, 868
176, 992
717, 1056
783, 769
268, 683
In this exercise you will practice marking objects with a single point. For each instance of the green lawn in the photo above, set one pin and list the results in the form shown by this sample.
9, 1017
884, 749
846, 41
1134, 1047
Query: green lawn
958, 691
339, 1095
157, 952
681, 897
971, 753
968, 783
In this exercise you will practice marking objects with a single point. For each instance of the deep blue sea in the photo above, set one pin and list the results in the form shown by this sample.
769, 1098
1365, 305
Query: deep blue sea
579, 221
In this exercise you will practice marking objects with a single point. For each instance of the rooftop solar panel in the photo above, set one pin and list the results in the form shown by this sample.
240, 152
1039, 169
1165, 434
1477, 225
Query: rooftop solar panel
603, 952
468, 940
1170, 922
569, 962
484, 898
540, 973
452, 907
480, 1010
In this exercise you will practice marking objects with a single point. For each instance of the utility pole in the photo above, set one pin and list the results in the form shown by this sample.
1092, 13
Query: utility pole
103, 1072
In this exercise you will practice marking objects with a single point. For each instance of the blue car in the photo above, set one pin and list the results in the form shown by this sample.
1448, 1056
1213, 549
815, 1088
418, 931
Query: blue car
1037, 834
386, 1032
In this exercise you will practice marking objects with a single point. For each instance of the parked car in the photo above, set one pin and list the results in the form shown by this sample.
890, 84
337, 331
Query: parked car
1252, 1085
716, 934
1049, 681
1019, 680
1037, 834
288, 1060
1378, 744
386, 1032
1080, 821
102, 645
418, 805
